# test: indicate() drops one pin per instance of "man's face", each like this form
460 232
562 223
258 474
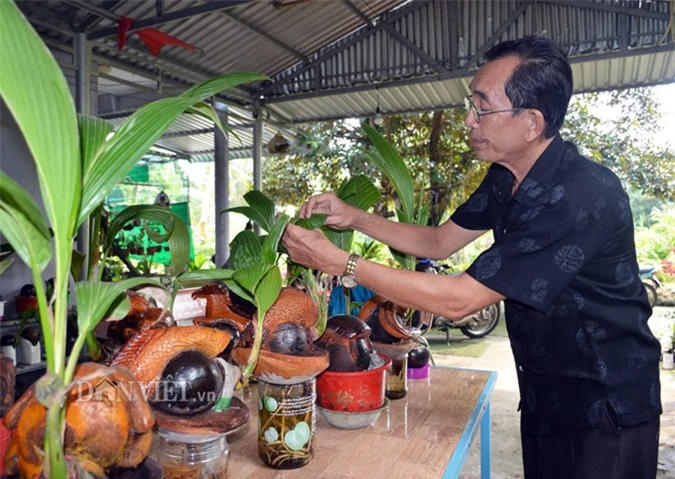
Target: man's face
497 137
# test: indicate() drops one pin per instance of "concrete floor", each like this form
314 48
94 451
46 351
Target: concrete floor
506 459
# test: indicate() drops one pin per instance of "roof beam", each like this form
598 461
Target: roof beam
168 17
94 19
497 34
265 35
605 7
331 51
398 36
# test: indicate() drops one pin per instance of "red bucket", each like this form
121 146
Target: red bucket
355 392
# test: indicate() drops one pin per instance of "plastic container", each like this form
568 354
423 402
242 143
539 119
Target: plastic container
352 420
28 352
354 391
286 423
191 456
419 373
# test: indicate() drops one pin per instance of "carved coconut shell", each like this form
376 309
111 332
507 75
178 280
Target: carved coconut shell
347 339
219 306
209 422
383 318
280 368
147 353
292 306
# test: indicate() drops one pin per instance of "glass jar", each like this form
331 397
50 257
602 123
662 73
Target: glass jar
286 423
397 377
192 456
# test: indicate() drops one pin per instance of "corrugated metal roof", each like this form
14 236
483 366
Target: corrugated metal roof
332 59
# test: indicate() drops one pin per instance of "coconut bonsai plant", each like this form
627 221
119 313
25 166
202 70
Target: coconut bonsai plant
78 164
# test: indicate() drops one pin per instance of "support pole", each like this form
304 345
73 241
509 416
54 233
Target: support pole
222 189
83 105
258 130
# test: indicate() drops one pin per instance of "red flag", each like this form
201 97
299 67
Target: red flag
122 28
153 38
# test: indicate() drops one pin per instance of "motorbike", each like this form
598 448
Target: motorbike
476 325
652 284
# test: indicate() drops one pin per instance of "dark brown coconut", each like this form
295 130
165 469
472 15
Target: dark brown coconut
347 340
384 319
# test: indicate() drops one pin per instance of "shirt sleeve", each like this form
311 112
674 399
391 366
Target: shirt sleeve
539 254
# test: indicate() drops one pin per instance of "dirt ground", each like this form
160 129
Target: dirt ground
506 460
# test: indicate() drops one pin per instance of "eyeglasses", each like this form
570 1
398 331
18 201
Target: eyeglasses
470 106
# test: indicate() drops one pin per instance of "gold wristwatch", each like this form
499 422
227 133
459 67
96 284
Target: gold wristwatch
348 278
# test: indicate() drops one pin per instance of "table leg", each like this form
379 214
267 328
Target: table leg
485 444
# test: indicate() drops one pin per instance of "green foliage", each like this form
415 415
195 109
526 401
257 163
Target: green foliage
325 156
411 211
616 130
656 244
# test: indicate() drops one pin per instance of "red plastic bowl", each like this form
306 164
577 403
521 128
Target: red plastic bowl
355 392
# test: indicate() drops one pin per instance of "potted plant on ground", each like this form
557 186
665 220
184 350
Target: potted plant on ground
78 164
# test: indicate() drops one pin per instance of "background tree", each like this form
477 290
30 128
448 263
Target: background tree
615 129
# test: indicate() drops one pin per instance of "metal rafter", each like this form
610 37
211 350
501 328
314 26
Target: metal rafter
605 7
170 17
94 19
498 33
398 36
235 18
332 51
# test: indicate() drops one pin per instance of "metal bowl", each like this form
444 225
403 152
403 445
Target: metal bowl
352 420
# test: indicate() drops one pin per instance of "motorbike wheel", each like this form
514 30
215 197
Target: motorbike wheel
484 322
652 295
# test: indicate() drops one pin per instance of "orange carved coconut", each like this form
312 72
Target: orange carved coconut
292 306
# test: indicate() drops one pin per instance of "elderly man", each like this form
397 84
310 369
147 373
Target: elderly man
563 260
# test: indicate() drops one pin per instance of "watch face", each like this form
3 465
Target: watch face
348 281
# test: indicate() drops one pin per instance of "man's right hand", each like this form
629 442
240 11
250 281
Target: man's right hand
339 214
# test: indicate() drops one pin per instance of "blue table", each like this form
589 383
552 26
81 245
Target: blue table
426 434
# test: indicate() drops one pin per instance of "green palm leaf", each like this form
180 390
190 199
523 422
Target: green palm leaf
199 277
33 248
93 133
22 223
215 85
15 197
250 276
138 133
95 298
360 192
260 209
245 250
177 234
393 166
268 290
36 92
271 242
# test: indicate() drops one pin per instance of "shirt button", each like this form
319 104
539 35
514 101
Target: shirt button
520 368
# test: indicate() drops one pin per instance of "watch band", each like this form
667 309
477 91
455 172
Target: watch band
348 278
350 270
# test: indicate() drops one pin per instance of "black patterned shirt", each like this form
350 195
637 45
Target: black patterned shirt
576 310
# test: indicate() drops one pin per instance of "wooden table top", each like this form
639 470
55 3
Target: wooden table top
416 436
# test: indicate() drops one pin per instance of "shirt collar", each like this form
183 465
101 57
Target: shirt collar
538 179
